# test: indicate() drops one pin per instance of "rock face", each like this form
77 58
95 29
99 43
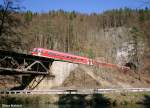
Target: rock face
61 70
128 51
124 45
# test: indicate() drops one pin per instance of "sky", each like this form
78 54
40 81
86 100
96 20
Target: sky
82 6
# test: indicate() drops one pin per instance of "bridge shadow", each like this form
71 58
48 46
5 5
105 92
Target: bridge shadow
26 80
83 101
146 101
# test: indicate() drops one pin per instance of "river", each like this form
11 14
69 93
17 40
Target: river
77 106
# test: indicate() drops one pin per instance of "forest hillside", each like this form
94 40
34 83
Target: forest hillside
119 36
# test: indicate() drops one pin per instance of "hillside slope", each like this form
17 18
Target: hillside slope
89 77
119 36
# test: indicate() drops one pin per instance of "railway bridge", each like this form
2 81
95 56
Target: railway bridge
29 66
18 63
34 67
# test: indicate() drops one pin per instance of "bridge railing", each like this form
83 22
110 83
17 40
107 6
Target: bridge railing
76 91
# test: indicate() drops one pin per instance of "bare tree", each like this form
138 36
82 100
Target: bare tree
6 18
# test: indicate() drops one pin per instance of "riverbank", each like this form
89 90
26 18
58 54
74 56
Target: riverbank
111 99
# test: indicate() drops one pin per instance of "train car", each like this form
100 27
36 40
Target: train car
60 56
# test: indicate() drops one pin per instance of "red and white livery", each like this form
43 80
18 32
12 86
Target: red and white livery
60 56
72 58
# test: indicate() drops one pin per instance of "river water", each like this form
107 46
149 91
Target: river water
78 106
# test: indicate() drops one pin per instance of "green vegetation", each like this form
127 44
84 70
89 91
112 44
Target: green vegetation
28 16
114 99
28 99
129 98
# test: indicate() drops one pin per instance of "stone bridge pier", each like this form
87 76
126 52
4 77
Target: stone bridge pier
60 71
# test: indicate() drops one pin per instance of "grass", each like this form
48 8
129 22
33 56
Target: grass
28 99
127 98
114 99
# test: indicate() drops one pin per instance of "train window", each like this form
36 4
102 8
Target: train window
40 51
78 59
72 58
45 52
67 57
81 59
35 50
50 53
56 54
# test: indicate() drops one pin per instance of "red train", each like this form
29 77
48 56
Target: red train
72 58
61 56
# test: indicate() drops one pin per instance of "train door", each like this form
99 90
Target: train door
90 61
39 52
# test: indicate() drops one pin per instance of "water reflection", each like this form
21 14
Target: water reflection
41 106
75 101
84 100
78 106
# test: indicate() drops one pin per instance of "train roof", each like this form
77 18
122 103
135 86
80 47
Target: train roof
62 53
